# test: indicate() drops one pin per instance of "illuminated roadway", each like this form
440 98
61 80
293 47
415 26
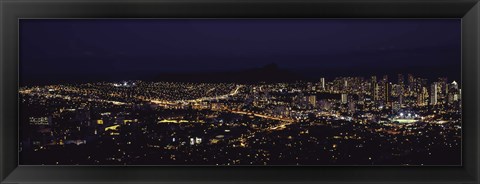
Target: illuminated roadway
233 93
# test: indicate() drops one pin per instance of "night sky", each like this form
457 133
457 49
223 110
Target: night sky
131 48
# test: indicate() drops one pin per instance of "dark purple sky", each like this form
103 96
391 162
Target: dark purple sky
151 46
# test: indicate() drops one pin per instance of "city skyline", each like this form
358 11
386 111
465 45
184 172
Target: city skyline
143 119
240 92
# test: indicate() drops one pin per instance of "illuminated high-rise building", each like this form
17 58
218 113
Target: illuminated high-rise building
442 93
345 84
453 92
387 93
322 84
442 84
344 98
422 96
451 98
312 99
374 87
446 88
384 90
434 94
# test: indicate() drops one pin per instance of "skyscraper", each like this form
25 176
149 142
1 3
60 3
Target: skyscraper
312 99
442 91
401 89
384 91
374 88
434 94
453 92
344 98
400 99
422 96
345 84
322 84
387 93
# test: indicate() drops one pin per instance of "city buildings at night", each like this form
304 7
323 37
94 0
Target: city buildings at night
240 92
342 121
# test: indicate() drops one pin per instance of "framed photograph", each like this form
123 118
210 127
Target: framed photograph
239 91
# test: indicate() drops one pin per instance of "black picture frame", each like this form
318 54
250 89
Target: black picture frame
12 10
